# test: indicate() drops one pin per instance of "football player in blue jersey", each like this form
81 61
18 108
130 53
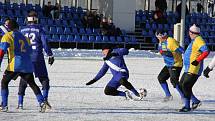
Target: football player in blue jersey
36 34
114 61
20 63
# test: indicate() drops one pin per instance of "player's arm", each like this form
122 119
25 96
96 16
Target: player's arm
209 68
122 51
47 48
99 75
204 53
3 47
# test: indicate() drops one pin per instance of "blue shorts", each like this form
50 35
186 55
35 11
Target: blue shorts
114 82
40 69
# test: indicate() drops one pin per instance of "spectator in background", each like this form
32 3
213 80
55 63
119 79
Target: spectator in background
161 5
200 7
57 8
47 10
158 17
210 8
178 11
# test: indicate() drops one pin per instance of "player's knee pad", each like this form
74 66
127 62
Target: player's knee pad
110 91
45 83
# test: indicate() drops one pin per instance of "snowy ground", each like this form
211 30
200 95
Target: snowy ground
73 101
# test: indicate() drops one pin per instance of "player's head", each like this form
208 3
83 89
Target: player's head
194 31
161 35
13 25
6 21
32 17
107 48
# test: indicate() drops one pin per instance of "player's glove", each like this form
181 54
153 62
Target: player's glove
91 82
51 60
206 72
195 63
110 55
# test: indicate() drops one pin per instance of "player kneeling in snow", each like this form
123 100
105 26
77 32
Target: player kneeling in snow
114 60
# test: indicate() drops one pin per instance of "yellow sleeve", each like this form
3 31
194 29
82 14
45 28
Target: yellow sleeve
199 42
6 38
172 44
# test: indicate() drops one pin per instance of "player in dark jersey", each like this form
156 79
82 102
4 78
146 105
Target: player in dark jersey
36 34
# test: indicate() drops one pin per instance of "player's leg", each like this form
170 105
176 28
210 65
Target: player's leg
187 81
111 88
174 78
8 75
30 80
21 93
41 72
162 77
123 81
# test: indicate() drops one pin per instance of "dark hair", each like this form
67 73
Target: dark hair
107 46
12 24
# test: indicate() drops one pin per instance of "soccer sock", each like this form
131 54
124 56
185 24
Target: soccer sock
179 90
166 89
4 94
194 99
135 92
187 103
40 98
120 93
45 94
20 101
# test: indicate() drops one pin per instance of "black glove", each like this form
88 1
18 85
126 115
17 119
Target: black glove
51 60
110 55
167 53
91 82
206 72
195 63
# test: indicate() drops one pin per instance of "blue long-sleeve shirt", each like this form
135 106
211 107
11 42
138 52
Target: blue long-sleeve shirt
117 61
38 41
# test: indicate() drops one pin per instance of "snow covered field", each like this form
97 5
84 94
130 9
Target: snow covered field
73 101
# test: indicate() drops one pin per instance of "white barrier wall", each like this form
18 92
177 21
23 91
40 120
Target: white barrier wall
124 14
121 11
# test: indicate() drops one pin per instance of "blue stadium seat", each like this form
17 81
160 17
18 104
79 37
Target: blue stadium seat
98 38
76 17
67 30
127 39
133 40
63 38
72 23
24 13
119 39
38 7
79 10
170 33
144 33
43 22
82 31
18 13
96 31
154 40
92 38
66 9
50 22
70 38
48 37
29 7
55 38
57 22
10 13
166 27
65 23
60 30
73 9
88 31
22 6
53 30
77 38
74 30
150 33
20 21
154 26
148 26
160 26
15 6
105 38
85 38
112 39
